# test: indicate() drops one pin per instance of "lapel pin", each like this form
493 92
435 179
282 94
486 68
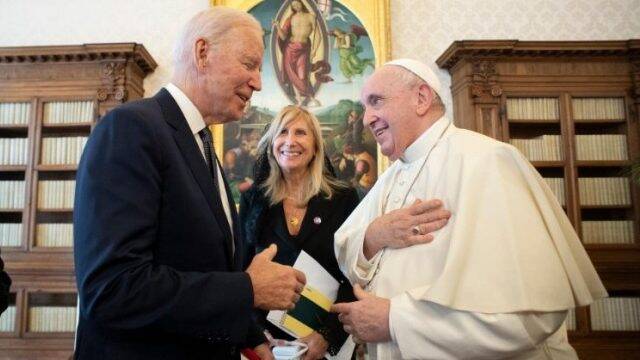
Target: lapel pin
317 220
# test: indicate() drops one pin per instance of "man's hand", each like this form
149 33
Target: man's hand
317 346
405 227
264 352
366 319
275 286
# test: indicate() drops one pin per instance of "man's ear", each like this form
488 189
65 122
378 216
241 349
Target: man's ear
425 98
201 49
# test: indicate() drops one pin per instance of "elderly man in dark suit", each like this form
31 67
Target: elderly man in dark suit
157 239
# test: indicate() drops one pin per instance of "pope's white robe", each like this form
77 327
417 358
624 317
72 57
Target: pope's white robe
497 280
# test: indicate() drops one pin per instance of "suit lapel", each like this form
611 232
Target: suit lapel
236 256
194 159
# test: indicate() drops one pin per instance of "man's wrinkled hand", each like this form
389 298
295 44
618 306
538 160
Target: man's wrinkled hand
405 227
275 286
366 319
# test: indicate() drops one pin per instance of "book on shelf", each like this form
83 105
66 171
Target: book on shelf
12 194
598 109
10 234
54 235
616 314
533 109
14 151
52 318
15 113
62 150
601 147
540 148
8 319
607 232
604 191
68 112
557 187
56 194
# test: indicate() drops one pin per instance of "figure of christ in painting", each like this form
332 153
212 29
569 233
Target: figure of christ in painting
294 39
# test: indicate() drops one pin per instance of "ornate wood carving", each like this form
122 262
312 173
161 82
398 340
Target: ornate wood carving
40 72
79 53
635 77
485 80
113 82
533 49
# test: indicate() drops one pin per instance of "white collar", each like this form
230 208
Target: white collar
421 146
189 110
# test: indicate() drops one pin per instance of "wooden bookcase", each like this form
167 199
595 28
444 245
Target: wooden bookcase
572 108
50 99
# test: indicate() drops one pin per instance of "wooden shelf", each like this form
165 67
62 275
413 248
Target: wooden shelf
605 207
64 167
11 210
73 128
603 163
548 164
13 168
55 210
534 122
599 121
14 126
52 249
67 125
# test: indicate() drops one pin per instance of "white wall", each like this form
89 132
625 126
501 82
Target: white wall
155 23
440 22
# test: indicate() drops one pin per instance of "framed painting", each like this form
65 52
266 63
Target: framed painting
318 53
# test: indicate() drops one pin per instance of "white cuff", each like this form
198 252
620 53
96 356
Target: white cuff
366 269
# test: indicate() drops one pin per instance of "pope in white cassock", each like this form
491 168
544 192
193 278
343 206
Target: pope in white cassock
497 281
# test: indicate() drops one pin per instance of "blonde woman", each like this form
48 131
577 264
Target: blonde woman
297 203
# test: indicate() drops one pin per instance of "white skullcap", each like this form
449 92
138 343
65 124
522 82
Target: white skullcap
421 70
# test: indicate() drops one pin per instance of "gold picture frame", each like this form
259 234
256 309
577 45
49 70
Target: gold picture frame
371 16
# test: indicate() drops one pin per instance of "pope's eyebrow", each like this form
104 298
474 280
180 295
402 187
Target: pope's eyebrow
372 98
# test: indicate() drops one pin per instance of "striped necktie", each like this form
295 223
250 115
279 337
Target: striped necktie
209 155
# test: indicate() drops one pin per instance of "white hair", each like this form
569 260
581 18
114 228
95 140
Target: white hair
212 25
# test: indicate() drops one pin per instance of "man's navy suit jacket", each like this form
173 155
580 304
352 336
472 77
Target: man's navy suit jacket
156 271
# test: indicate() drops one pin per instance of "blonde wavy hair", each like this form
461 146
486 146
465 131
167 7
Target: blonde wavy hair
319 180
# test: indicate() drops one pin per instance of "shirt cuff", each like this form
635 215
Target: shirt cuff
366 269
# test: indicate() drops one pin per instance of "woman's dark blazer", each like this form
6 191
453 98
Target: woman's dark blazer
322 219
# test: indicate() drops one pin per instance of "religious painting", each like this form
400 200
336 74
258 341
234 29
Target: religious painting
318 53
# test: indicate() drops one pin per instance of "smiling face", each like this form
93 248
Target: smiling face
390 111
294 146
230 75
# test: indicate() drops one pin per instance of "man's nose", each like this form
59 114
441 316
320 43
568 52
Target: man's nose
368 118
256 81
